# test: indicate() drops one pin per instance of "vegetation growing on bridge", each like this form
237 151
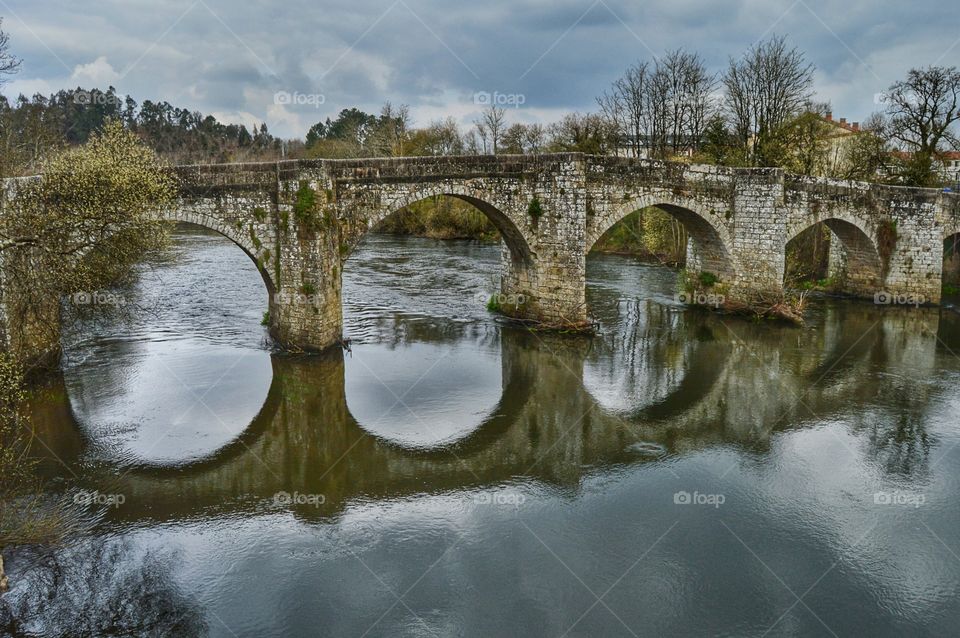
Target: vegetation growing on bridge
535 209
305 206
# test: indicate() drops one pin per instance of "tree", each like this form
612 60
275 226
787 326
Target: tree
765 88
719 145
490 127
9 63
523 138
663 109
352 125
688 87
358 134
535 138
625 107
78 228
923 109
513 139
440 137
316 133
802 144
583 133
867 156
389 132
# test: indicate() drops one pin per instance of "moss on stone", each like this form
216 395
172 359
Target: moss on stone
305 206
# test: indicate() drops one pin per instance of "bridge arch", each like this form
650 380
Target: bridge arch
710 239
512 228
858 264
181 214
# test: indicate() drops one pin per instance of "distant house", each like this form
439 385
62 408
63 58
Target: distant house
947 166
950 167
627 144
839 138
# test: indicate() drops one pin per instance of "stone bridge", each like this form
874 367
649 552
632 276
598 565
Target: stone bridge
299 220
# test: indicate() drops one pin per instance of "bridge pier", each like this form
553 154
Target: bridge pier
551 292
759 234
306 312
914 268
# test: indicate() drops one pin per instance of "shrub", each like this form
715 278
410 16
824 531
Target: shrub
708 279
535 209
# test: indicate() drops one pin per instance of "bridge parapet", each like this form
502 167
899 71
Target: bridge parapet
423 169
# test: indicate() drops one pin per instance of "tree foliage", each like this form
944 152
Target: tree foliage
922 111
32 129
764 89
355 133
803 144
79 228
662 109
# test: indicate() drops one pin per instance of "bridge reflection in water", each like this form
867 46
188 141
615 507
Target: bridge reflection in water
662 383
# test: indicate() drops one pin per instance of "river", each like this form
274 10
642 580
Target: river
682 473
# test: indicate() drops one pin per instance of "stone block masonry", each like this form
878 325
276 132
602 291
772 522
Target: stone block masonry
300 220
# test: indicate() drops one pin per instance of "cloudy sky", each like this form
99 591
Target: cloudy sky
295 62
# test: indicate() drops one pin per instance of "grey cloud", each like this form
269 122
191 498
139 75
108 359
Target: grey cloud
261 47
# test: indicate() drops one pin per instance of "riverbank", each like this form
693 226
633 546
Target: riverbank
650 235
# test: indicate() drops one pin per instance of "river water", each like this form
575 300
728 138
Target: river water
682 473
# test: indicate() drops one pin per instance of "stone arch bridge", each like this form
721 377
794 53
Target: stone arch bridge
301 219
